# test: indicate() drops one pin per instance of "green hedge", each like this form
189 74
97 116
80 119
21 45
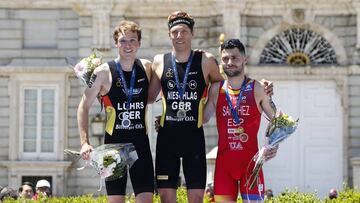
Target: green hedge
347 196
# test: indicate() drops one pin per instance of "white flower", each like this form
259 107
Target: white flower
96 61
112 166
112 153
117 158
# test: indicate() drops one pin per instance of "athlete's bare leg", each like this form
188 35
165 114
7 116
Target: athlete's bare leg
144 197
195 195
167 195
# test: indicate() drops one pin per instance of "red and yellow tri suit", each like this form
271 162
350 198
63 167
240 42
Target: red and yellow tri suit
237 145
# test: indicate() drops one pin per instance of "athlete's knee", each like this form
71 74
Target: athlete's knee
116 199
196 199
195 195
144 197
167 195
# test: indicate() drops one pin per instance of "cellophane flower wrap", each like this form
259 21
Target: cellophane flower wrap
279 128
110 161
85 68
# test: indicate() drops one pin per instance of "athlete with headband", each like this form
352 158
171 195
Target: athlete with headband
183 76
238 102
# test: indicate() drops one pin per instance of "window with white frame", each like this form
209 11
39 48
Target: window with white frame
39 122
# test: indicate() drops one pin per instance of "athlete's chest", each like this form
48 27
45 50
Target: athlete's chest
191 81
245 106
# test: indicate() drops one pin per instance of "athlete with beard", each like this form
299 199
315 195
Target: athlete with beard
183 76
238 102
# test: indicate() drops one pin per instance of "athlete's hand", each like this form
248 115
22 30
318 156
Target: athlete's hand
157 123
268 87
85 151
270 153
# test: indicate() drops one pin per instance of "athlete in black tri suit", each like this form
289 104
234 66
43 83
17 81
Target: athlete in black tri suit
123 84
129 127
181 134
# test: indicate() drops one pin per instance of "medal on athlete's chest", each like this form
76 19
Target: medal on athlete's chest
181 112
126 122
235 110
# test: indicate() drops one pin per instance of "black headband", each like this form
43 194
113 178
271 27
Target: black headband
181 20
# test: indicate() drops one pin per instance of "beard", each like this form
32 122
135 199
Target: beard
232 73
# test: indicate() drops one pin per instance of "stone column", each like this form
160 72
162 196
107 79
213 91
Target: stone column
100 10
355 163
101 29
356 5
232 18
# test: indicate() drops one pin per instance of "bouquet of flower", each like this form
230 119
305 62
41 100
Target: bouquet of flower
85 68
110 161
280 127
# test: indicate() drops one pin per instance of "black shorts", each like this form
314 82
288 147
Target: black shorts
174 144
141 173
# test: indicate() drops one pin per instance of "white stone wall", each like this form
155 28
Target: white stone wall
85 181
4 126
344 27
4 118
255 26
13 50
354 123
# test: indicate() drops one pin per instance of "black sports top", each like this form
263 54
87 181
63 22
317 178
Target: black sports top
118 128
194 95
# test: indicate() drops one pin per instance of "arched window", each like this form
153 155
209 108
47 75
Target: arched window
298 46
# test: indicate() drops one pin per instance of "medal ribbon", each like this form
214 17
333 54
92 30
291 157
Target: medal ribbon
234 112
128 92
181 90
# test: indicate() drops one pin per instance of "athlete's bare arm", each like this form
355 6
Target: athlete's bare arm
147 65
100 85
210 106
155 84
210 68
263 100
265 104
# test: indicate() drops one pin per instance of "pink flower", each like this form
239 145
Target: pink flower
81 68
85 68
